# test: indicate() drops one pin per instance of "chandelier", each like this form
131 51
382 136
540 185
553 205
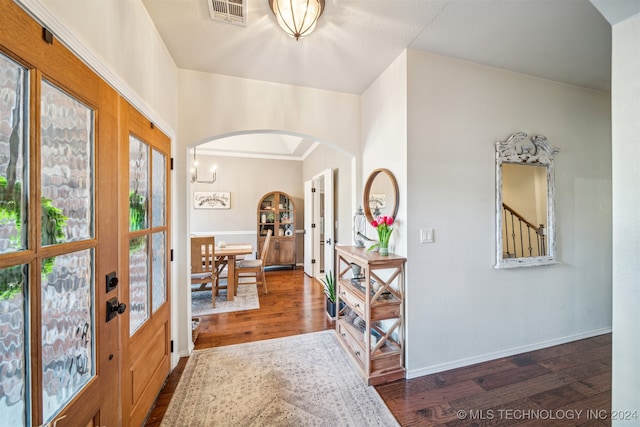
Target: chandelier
194 171
297 17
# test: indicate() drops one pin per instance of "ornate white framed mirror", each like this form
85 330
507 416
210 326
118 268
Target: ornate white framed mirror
525 210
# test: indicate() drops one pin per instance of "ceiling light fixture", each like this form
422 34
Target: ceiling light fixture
297 17
194 171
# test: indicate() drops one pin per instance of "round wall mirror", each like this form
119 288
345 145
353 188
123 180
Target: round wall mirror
381 195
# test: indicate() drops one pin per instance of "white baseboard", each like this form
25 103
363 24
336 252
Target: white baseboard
414 373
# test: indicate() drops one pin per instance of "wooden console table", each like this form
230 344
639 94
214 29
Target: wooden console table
370 327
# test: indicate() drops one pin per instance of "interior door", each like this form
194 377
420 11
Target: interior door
319 207
328 222
144 190
308 230
58 233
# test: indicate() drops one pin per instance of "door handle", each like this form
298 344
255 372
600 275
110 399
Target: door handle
328 241
114 307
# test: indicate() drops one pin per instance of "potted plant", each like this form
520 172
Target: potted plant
330 292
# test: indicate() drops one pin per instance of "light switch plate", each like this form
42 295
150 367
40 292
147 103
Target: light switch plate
426 235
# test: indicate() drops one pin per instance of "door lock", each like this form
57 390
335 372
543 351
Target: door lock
112 281
114 308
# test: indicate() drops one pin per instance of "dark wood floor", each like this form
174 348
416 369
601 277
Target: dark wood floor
566 385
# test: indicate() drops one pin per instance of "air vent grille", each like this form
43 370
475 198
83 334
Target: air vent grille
230 11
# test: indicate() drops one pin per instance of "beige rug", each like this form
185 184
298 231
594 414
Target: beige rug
245 299
304 380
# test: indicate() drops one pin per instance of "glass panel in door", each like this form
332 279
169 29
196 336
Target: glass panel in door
13 152
138 183
159 188
159 255
138 288
68 348
67 163
67 280
14 362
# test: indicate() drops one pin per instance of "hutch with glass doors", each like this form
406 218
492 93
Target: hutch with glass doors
370 326
277 212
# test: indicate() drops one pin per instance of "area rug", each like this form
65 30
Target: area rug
245 299
304 380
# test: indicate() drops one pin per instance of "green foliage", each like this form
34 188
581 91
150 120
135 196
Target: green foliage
11 281
53 223
329 286
9 208
137 211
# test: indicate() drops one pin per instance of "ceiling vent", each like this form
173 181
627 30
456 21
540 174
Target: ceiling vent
229 11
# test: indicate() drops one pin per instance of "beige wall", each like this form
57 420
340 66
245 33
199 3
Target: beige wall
247 179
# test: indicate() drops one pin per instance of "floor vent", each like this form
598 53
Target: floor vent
230 11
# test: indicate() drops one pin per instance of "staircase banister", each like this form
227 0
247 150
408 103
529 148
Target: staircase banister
539 229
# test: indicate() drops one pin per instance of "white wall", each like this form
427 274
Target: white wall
626 205
325 157
384 140
460 309
122 38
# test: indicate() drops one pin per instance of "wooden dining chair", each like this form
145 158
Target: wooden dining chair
254 267
203 267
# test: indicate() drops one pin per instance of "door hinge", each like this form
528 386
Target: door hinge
313 261
172 342
313 226
313 190
47 35
171 164
171 254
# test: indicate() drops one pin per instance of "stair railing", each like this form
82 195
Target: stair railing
522 238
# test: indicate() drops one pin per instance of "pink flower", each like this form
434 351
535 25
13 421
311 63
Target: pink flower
382 224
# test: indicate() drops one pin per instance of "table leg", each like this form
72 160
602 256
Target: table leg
231 279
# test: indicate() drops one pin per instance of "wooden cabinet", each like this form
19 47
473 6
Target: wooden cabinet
277 212
370 326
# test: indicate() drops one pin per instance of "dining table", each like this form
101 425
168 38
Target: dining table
230 252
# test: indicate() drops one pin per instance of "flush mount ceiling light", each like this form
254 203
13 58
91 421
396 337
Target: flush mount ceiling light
297 17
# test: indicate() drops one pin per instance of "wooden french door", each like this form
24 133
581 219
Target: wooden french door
144 189
59 357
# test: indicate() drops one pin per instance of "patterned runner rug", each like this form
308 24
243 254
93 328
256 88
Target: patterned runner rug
246 299
304 380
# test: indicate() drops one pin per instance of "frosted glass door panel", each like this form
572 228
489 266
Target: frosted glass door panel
13 151
13 281
67 138
159 188
68 348
138 183
159 293
138 282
